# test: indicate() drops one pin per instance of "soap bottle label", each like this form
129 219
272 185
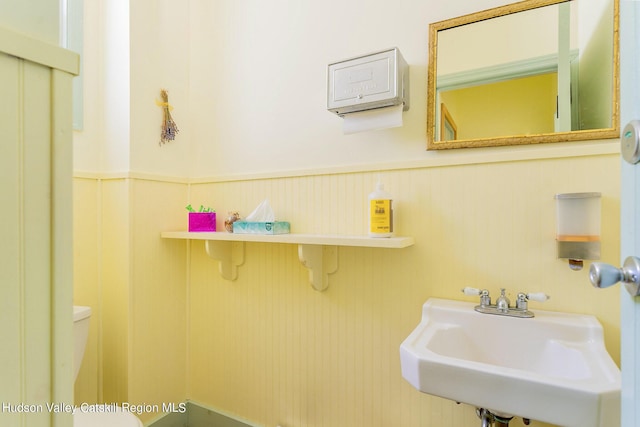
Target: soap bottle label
381 215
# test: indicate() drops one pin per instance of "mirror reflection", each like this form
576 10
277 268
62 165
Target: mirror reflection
535 71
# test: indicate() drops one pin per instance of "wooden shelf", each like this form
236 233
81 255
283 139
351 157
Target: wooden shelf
304 239
317 252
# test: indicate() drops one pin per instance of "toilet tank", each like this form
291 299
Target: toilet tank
81 315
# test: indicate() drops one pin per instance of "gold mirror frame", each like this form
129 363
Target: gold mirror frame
578 135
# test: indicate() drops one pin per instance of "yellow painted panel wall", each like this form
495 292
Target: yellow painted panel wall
87 283
114 313
158 296
270 349
101 281
135 284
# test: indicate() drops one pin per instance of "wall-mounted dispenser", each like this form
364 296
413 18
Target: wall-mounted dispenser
578 227
368 82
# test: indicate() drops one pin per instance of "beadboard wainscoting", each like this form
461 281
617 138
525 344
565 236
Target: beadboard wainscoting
269 348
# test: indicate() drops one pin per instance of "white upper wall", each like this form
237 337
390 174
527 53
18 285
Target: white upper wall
258 80
247 80
103 145
160 45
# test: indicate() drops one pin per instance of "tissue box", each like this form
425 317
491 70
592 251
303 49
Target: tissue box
202 221
257 227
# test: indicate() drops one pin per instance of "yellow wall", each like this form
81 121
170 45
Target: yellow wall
524 106
135 284
249 100
270 349
86 289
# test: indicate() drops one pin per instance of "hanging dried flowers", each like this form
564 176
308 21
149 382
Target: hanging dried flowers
169 128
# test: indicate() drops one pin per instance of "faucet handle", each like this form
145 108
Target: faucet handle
485 299
523 298
471 291
538 296
474 291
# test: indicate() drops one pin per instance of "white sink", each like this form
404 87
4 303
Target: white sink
552 368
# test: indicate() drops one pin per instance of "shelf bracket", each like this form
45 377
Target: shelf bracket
321 260
229 254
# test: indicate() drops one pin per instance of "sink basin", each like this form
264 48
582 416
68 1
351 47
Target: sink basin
552 368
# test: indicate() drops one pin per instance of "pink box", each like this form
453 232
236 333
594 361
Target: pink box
202 221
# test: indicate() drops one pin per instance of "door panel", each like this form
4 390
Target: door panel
630 212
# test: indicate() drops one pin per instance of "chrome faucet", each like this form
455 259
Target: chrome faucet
503 304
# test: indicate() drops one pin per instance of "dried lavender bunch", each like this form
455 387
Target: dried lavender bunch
169 128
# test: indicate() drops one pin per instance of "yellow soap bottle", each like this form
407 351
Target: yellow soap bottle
380 212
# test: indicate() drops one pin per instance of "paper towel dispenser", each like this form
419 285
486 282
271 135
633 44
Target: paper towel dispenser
367 82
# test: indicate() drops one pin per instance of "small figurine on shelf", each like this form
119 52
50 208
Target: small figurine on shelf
228 222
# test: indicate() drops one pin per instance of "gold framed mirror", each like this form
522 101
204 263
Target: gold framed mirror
536 71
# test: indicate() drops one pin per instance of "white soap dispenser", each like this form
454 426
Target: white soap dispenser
380 212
